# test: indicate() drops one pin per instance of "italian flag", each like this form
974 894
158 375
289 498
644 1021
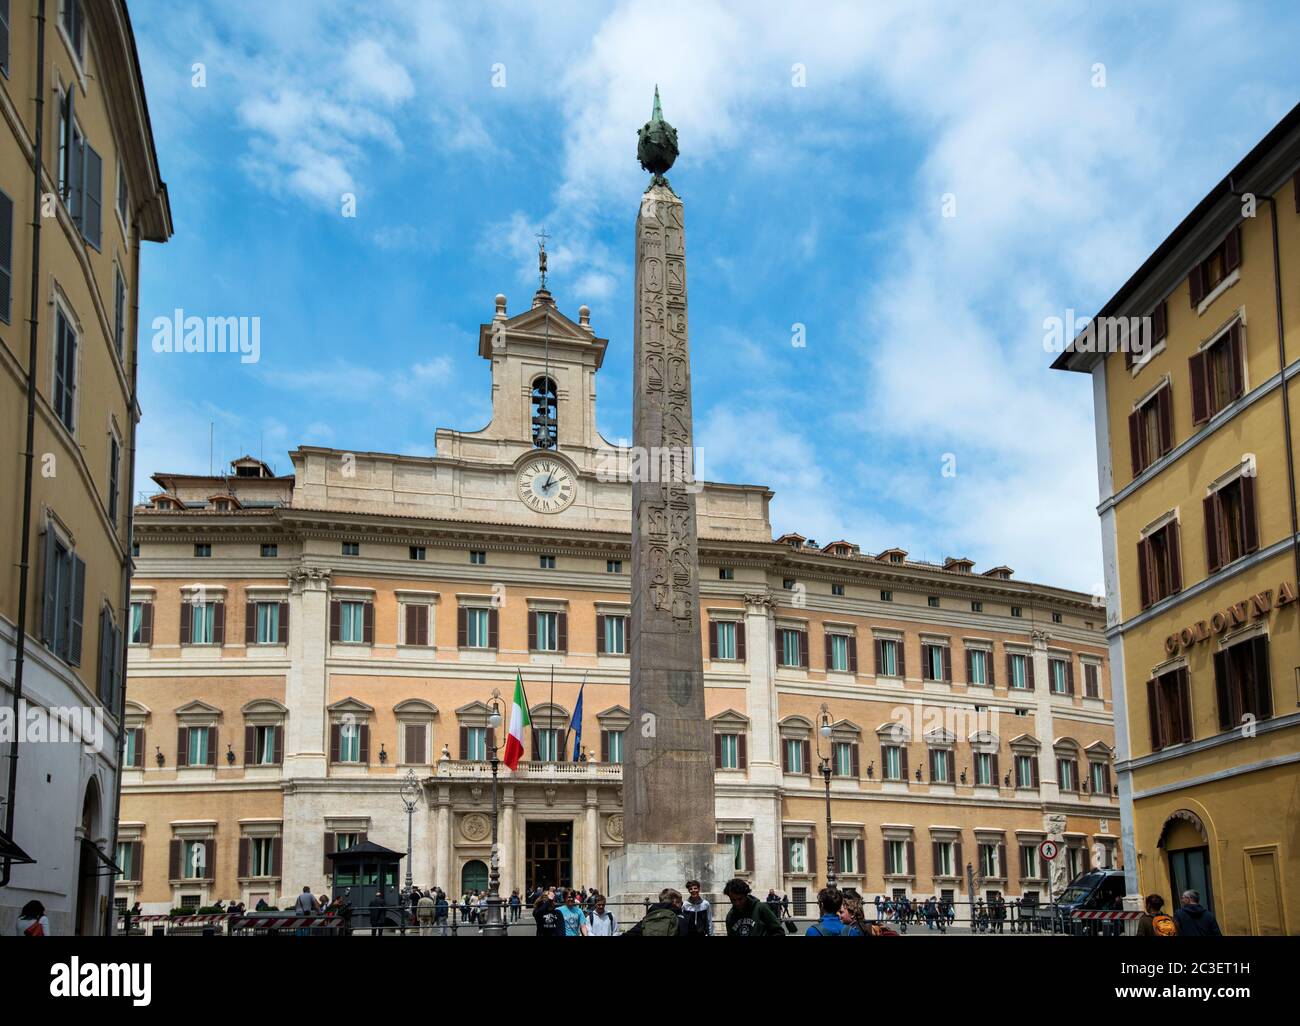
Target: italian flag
518 721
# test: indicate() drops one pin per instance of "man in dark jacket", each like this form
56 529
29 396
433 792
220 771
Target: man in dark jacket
749 917
665 918
1194 919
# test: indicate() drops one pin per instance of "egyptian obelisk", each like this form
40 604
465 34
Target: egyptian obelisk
669 827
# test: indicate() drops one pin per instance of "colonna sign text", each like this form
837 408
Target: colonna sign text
1258 606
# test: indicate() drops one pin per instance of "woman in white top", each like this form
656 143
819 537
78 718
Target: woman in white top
32 921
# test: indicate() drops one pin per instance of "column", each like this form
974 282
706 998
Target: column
1048 789
506 832
442 839
760 693
305 687
591 847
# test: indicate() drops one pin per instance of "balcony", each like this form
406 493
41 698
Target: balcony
560 772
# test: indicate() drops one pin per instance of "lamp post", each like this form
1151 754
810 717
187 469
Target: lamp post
825 733
410 795
496 924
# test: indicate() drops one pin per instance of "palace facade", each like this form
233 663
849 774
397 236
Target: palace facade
300 643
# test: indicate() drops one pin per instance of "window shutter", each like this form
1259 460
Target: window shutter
1144 571
562 630
812 854
807 756
717 751
494 620
785 855
209 859
854 765
368 624
1159 327
1263 688
464 743
365 743
749 852
970 667
562 748
218 623
600 642
6 216
911 858
853 653
885 867
174 861
278 743
1069 676
329 850
935 856
740 641
1024 866
415 743
139 748
182 746
78 607
537 745
957 868
1029 672
1011 676
1175 556
1153 714
826 637
187 612
250 745
1196 285
785 756
336 615
146 624
334 742
245 855
50 598
1185 731
282 636
1135 441
1033 765
137 860
104 673
1232 251
902 760
532 631
713 640
901 648
462 627
93 183
742 759
604 746
947 664
861 848
1211 507
1249 522
410 633
803 649
250 623
1200 395
1165 416
277 849
1236 367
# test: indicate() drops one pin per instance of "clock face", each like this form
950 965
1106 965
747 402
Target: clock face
546 486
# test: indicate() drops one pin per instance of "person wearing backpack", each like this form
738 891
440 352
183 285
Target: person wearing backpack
1154 922
749 917
1194 919
601 923
829 903
663 919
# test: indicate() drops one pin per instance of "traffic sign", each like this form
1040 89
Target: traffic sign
1048 849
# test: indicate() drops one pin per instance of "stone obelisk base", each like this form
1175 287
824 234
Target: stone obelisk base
640 871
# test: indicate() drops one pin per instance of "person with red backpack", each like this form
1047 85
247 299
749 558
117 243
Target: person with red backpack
32 921
1154 922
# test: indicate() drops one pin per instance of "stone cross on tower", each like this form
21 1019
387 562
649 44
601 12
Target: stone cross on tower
668 807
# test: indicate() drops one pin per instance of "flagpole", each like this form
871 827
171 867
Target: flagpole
569 728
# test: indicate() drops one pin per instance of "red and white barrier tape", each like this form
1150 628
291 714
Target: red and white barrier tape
262 922
1106 915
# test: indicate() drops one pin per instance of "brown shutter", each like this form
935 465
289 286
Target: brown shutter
282 638
988 666
1135 441
1185 732
1236 366
854 765
1165 416
1029 672
826 637
368 625
245 855
494 621
218 623
884 855
749 853
1196 285
1212 556
1002 860
336 615
717 751
277 851
562 631
807 756
462 627
740 641
1011 666
902 760
1175 557
279 745
785 756
1069 676
139 747
812 853
1144 571
742 759
901 646
713 640
1249 522
1222 693
334 742
803 649
861 847
934 856
410 630
329 850
146 624
250 626
1263 687
947 664
365 743
532 631
182 746
853 653
137 860
957 862
464 743
174 861
1033 765
970 668
537 747
187 612
210 859
1232 251
250 747
785 855
1024 867
1200 394
604 746
1159 326
600 642
911 858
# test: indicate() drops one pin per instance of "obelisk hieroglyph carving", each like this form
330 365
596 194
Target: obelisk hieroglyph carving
668 764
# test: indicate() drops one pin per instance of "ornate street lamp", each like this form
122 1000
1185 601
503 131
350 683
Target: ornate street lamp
825 734
410 795
496 924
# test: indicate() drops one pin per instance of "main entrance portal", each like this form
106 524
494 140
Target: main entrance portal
549 851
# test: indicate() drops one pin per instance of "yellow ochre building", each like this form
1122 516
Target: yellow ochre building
1196 464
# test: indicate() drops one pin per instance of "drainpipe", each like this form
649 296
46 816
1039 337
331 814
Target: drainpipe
128 562
24 563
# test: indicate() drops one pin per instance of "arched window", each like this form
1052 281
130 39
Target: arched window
544 411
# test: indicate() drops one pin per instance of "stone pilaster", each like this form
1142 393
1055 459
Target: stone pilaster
1049 790
306 685
506 850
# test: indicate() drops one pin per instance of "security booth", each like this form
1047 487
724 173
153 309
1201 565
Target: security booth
366 875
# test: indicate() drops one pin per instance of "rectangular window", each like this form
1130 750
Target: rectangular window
114 468
896 858
730 751
837 589
73 20
1169 709
846 855
843 759
1151 429
477 622
985 774
977 607
477 558
943 858
351 548
270 551
1058 671
1067 774
194 857
119 313
788 584
1026 771
726 573
548 631
268 623
1218 375
613 566
65 370
262 856
546 562
125 849
794 748
737 844
1159 564
989 867
1091 680
796 854
1206 276
940 766
1231 530
1056 618
131 757
352 622
1099 773
1241 683
123 198
202 551
892 762
793 648
6 241
886 596
936 662
264 746
887 658
548 744
198 749
932 601
476 743
1029 861
64 599
615 631
839 653
725 631
1019 665
417 553
203 623
978 664
141 623
415 624
614 745
1016 611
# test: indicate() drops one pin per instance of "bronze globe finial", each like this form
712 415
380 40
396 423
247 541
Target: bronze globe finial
656 146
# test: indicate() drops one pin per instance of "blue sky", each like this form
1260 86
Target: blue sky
819 143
